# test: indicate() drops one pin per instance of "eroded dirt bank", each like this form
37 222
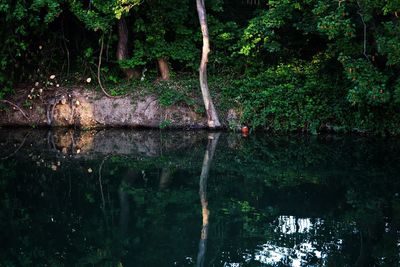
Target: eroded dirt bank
76 107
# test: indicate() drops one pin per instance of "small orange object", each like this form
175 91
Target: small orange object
245 130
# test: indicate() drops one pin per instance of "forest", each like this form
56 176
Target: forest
284 66
295 156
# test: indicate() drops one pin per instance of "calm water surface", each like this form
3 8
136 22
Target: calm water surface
149 198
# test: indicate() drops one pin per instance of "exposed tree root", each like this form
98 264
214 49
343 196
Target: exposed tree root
16 106
18 148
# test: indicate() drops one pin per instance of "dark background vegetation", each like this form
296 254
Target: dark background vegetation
287 65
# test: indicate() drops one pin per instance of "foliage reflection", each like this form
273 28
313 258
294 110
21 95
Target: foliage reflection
128 198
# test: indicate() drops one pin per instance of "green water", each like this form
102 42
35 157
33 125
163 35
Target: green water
150 198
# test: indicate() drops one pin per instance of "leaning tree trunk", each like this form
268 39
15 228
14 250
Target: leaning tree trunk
212 116
163 68
122 48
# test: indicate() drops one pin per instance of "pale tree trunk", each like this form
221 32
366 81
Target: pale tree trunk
212 116
163 68
208 156
122 48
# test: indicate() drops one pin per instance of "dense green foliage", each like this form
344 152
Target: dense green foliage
307 65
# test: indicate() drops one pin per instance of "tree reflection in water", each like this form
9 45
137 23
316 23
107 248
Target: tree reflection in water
208 157
275 201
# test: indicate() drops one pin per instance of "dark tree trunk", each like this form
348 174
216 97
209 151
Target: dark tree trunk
122 48
164 69
212 116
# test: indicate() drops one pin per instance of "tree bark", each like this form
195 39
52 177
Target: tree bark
122 49
164 69
212 116
208 156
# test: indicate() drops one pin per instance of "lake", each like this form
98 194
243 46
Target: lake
161 198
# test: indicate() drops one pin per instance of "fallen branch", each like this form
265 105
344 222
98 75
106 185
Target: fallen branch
15 106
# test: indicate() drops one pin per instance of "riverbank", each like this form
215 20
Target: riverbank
178 104
78 107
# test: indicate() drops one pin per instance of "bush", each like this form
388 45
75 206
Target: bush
289 97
